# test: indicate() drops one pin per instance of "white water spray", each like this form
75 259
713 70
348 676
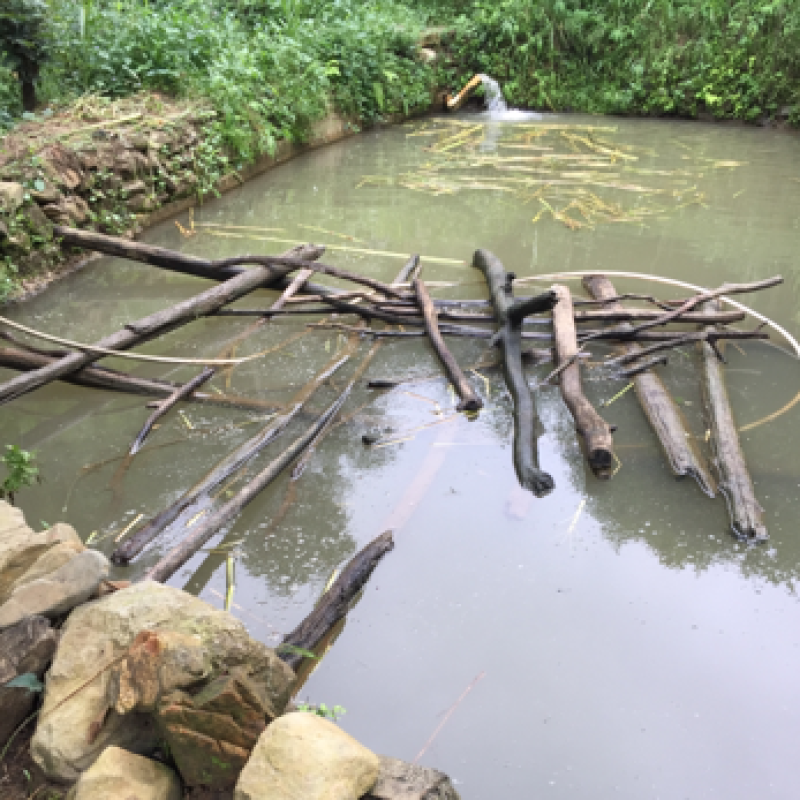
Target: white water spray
495 102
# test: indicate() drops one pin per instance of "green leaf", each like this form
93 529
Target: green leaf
379 96
296 651
38 184
27 681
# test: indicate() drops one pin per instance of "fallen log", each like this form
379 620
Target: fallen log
660 409
595 434
140 331
644 365
248 450
94 377
205 529
711 336
735 483
172 260
163 407
336 602
510 314
469 400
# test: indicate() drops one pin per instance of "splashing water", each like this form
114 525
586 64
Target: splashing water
495 102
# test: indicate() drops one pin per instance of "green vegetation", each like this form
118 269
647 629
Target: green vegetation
732 58
20 470
322 710
267 67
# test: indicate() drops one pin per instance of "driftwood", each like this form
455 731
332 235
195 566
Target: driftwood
643 365
469 400
211 524
660 409
593 429
140 331
336 602
710 335
172 260
134 545
163 407
25 360
746 514
511 313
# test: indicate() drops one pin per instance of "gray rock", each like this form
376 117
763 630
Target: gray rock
399 780
57 592
39 222
122 775
12 196
27 647
49 194
301 756
73 729
133 188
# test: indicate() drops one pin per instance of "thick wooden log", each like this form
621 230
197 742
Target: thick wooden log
172 260
211 525
336 602
164 407
245 452
660 409
735 483
112 380
508 338
200 305
469 400
594 431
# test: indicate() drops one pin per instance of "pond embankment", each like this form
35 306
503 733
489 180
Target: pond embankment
145 160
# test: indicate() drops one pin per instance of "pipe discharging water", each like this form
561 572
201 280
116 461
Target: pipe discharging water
495 102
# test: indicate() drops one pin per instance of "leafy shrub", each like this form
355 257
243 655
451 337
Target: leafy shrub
25 43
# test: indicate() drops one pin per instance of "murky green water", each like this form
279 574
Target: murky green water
628 646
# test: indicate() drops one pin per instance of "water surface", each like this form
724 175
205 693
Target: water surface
628 645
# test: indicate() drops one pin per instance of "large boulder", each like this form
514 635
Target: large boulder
77 721
26 648
399 780
12 195
302 756
210 734
58 592
125 776
21 548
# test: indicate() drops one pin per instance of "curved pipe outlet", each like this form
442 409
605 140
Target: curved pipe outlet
454 102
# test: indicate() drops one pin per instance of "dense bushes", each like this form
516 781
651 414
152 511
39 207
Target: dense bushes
266 66
734 58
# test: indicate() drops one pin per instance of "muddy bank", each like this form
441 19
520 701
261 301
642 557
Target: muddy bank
118 172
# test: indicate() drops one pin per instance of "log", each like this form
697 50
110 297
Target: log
137 332
469 400
171 260
207 527
336 602
115 381
644 365
510 314
405 272
292 289
735 483
163 407
660 409
245 452
594 431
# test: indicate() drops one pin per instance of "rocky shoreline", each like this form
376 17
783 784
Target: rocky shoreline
145 691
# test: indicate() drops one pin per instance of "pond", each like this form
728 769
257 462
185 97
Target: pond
610 639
